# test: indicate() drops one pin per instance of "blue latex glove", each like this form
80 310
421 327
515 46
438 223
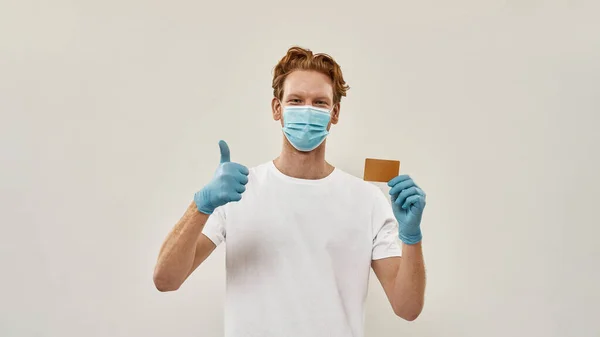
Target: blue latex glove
227 185
408 203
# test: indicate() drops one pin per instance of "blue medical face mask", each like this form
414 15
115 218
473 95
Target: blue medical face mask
305 127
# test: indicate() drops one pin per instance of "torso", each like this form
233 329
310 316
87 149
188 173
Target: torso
298 255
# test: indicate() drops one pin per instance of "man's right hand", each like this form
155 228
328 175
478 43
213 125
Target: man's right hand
227 185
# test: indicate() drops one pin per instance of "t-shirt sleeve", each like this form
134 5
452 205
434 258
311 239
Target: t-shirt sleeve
385 229
214 228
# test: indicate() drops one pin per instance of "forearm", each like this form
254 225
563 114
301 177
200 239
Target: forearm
177 253
409 287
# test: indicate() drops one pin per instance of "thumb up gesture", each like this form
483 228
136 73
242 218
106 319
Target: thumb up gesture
227 185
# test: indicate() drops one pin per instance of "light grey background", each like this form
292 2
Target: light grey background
111 113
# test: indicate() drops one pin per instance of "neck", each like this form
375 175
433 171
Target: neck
303 165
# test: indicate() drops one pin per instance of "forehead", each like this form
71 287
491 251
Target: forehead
308 83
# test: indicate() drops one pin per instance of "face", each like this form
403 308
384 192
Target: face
305 87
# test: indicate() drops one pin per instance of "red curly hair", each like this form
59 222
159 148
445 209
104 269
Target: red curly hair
298 58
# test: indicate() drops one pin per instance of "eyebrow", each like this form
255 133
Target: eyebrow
322 98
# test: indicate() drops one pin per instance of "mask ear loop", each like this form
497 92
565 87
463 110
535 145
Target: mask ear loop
331 111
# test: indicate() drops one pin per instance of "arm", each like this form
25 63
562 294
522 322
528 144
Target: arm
186 247
182 251
403 280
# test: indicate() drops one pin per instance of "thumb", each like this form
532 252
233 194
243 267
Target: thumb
225 157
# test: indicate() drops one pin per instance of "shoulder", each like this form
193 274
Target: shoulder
258 174
358 185
260 170
370 197
261 167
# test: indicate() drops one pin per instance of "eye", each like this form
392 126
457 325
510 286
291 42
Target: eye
295 101
321 103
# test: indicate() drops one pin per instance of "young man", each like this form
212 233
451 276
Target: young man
301 234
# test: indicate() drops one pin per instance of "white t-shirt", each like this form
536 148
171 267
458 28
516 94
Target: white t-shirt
298 253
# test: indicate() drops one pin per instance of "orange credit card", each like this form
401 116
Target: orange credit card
381 170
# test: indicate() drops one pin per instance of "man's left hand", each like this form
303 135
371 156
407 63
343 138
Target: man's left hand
408 203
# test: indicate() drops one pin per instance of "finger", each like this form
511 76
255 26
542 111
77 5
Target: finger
225 156
399 187
409 192
239 168
235 197
398 179
412 200
240 188
243 170
242 179
405 194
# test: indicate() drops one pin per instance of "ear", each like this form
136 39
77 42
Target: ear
276 109
335 114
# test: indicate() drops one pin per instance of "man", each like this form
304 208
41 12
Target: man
301 234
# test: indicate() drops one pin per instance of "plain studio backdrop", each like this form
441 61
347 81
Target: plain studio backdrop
112 110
